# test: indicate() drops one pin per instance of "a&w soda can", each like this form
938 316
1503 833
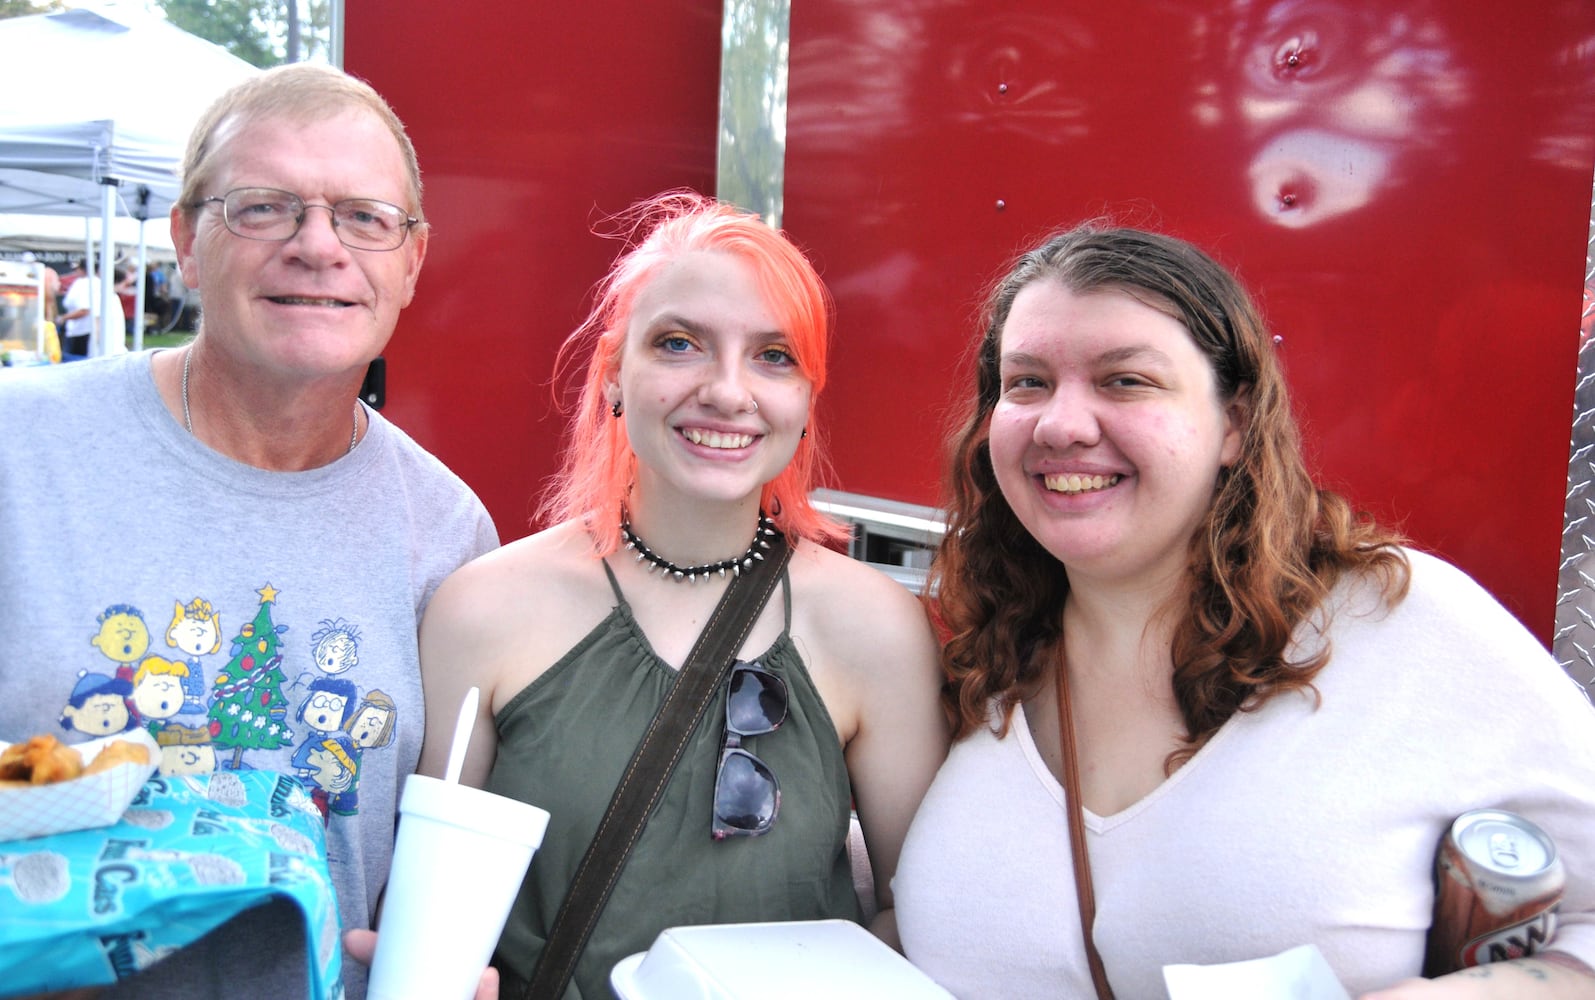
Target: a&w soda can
1498 882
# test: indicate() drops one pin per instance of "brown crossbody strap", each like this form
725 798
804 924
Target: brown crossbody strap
649 771
1077 848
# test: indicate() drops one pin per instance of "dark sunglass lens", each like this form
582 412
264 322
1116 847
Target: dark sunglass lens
745 795
756 703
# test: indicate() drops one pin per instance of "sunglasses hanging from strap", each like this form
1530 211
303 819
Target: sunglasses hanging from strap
747 796
651 765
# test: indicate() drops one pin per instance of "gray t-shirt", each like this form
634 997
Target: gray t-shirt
285 604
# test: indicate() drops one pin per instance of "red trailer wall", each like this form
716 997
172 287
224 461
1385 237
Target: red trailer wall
1404 183
533 122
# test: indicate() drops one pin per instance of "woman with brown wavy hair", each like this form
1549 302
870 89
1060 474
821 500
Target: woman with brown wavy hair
1272 706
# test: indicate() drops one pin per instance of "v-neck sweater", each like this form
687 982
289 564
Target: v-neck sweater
1306 821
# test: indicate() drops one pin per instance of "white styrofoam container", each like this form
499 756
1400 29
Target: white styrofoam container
796 959
83 803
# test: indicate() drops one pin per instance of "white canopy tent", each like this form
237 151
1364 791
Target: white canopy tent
66 234
108 142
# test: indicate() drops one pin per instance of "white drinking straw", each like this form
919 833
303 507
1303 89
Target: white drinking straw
462 735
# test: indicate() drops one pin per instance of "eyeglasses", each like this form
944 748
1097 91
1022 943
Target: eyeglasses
272 215
746 794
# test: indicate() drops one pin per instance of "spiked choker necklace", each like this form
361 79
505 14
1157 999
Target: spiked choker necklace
692 574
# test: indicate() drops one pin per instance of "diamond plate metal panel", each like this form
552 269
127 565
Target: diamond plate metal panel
1574 642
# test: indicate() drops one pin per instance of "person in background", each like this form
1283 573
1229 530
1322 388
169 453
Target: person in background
73 273
157 302
1277 709
240 481
693 434
127 297
52 289
79 291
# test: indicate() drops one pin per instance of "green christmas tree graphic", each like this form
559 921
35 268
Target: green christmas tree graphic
248 710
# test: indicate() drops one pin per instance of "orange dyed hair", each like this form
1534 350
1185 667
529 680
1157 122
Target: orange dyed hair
599 466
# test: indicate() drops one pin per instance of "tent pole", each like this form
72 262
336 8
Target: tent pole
141 280
38 268
138 289
90 268
110 305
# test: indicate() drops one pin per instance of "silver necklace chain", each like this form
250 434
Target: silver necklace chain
188 420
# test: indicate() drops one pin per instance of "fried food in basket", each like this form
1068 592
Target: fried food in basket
118 752
42 760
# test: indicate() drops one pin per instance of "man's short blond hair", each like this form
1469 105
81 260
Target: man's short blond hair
302 93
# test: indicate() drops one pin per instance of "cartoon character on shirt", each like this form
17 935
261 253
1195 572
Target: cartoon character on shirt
336 646
186 749
98 705
196 630
328 760
123 638
158 691
328 765
372 724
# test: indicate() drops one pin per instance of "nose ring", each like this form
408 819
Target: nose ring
755 403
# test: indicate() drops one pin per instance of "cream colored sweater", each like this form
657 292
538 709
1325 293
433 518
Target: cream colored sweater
1295 824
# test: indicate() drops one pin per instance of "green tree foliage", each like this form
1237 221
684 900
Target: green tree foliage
752 155
239 26
22 8
260 32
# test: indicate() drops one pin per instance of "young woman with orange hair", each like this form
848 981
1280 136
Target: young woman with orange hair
693 433
1276 709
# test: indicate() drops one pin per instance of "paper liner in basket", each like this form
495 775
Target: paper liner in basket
82 803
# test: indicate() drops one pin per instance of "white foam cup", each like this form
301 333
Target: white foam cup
458 863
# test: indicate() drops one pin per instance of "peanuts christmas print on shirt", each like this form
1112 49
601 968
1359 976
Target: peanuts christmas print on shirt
226 704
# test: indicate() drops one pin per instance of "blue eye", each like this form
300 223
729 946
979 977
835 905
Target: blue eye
376 217
777 356
263 209
675 343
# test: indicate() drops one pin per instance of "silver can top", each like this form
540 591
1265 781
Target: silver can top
1504 843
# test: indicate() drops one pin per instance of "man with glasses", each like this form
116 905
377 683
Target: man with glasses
241 473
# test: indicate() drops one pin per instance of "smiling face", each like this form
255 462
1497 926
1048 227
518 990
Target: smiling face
701 350
1109 434
307 306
